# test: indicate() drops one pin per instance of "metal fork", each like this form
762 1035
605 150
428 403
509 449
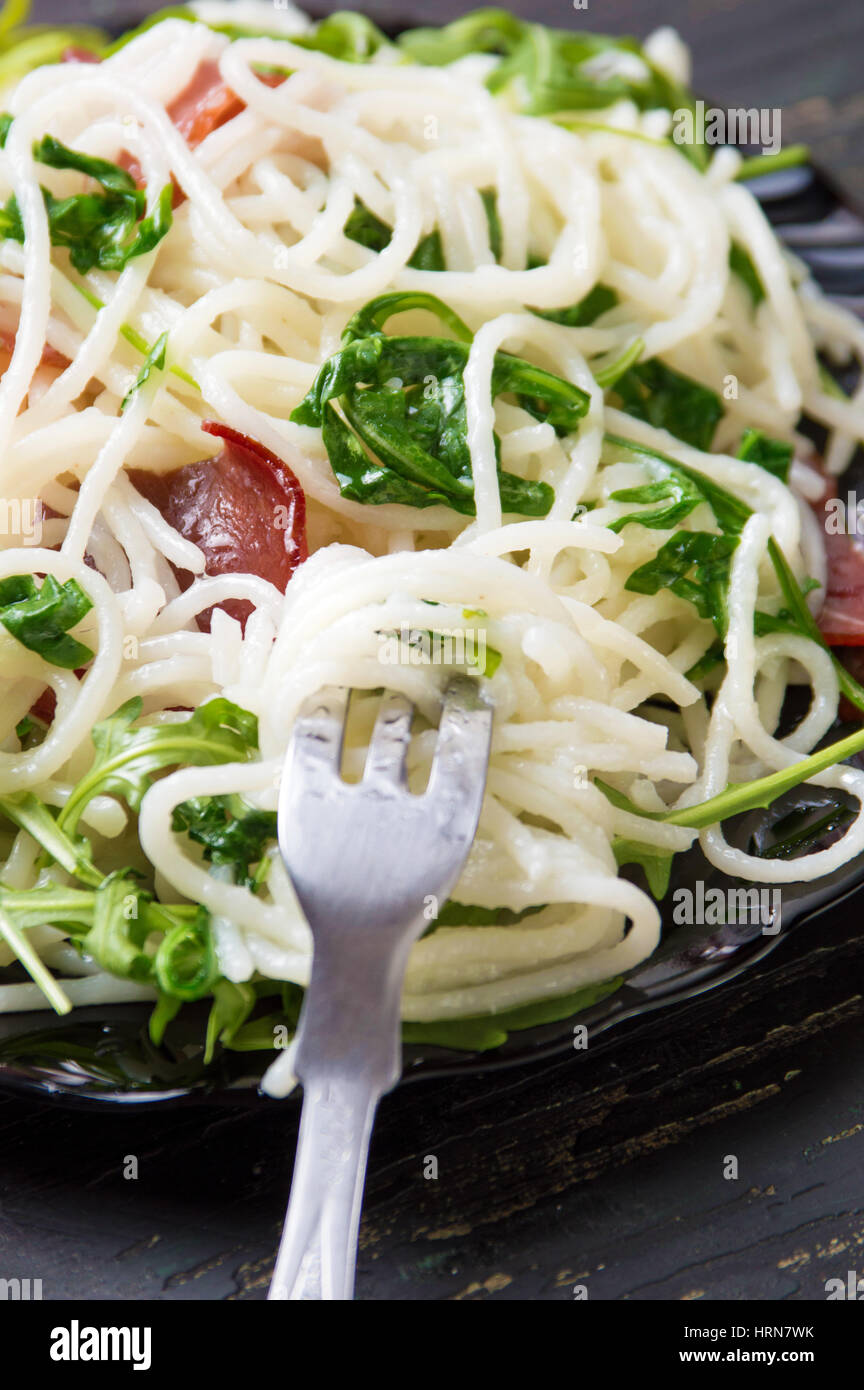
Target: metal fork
365 860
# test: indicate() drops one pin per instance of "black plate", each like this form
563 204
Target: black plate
104 1056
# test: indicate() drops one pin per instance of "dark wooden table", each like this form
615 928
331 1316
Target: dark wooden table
605 1172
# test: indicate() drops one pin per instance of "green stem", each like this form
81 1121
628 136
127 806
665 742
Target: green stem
789 158
789 585
89 784
137 340
32 815
748 796
744 796
36 969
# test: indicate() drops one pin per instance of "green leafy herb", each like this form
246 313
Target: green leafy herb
40 617
117 924
493 221
259 1034
738 797
368 230
169 12
656 863
483 1034
668 400
24 47
36 968
677 493
105 229
695 566
731 515
70 851
232 832
712 658
596 302
741 264
352 38
127 756
232 1005
552 72
153 362
608 373
403 398
773 455
429 254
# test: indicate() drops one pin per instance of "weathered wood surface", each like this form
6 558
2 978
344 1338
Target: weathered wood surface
603 1171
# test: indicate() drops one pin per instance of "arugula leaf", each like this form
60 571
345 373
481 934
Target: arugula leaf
258 1034
429 254
70 851
26 46
50 151
154 361
609 373
481 31
29 731
493 221
738 797
361 479
741 264
104 229
483 1034
732 515
368 230
677 491
668 400
40 618
713 657
232 832
118 923
403 398
596 302
232 1005
168 12
549 72
127 757
352 38
771 454
185 963
694 565
655 863
22 949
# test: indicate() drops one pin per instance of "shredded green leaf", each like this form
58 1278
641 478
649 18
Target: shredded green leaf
400 434
105 229
668 400
40 617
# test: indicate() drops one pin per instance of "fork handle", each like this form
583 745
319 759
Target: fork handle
347 1054
318 1250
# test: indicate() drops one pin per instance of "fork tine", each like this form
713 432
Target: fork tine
461 756
388 747
319 731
